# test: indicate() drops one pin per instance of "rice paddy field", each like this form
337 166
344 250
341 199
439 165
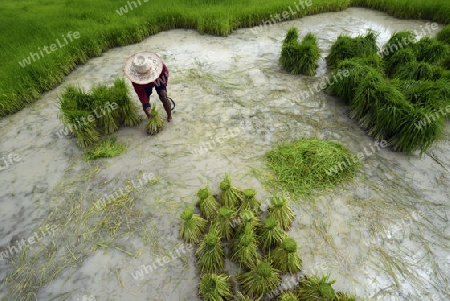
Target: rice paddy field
109 229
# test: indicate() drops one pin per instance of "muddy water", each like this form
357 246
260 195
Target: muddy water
383 237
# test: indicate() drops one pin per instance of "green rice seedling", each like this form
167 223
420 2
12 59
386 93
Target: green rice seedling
285 257
260 280
155 123
230 195
281 212
107 122
444 35
271 234
241 297
107 148
372 60
431 50
291 36
434 95
287 296
340 296
215 287
244 250
399 58
418 71
399 40
84 131
306 165
208 205
192 227
314 288
346 47
249 202
300 58
248 219
446 64
210 253
127 110
224 222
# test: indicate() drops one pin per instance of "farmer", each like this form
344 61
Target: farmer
146 70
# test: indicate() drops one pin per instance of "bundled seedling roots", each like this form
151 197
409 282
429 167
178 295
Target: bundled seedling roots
230 196
285 257
127 109
155 123
244 249
316 289
287 296
215 287
250 202
208 205
224 222
281 212
193 226
271 235
259 281
248 220
210 254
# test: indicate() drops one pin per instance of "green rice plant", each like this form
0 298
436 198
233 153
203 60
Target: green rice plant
418 71
314 288
372 60
84 131
192 227
271 234
224 222
127 110
346 47
244 250
208 205
210 253
107 122
155 123
241 297
230 195
431 50
248 219
306 165
446 63
285 257
260 280
281 212
287 296
106 148
398 41
250 202
444 35
399 58
291 36
215 287
434 95
340 296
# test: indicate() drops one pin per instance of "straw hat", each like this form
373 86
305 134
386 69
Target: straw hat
143 67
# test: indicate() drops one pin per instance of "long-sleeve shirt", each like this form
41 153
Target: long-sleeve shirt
141 90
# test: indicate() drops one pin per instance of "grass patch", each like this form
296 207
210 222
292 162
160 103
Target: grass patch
106 148
303 166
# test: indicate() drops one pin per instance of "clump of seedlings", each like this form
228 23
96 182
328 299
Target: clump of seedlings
287 296
431 50
127 110
230 195
210 253
105 149
444 35
285 257
224 222
281 212
192 227
244 250
418 71
208 205
249 201
108 122
399 58
271 234
260 280
314 288
155 123
248 219
215 287
398 41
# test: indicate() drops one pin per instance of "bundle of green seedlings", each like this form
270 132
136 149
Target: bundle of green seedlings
244 249
210 253
285 257
444 35
299 58
127 111
215 287
287 296
313 288
346 47
418 71
192 227
208 205
106 148
224 221
271 234
230 196
281 212
250 202
431 51
155 123
398 41
248 219
260 280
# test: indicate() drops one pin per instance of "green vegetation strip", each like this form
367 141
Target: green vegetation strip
40 47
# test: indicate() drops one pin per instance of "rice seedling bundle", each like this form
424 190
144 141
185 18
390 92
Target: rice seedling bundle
210 253
285 257
431 50
446 64
208 205
230 195
281 212
224 222
107 123
215 287
192 227
444 35
260 280
372 60
107 148
428 94
155 123
314 288
244 250
308 164
340 296
291 36
248 219
241 297
85 132
346 47
418 71
399 58
127 110
249 201
287 296
398 41
271 234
